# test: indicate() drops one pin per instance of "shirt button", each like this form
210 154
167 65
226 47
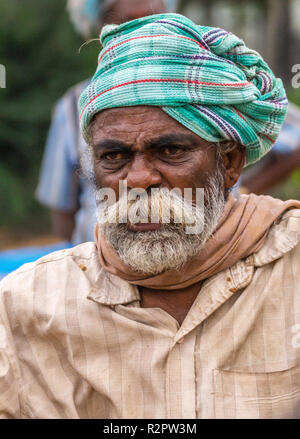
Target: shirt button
82 267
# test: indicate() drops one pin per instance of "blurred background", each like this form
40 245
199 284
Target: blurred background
39 48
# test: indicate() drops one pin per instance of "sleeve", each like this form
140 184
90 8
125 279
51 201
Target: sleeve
9 372
59 184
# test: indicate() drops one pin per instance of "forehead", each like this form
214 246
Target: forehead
132 124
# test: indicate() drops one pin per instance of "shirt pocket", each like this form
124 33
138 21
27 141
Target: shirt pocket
273 395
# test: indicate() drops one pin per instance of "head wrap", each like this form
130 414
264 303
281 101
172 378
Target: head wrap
204 77
86 14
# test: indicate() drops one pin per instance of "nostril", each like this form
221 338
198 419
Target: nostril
152 186
143 175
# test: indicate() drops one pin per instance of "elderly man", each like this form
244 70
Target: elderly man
157 319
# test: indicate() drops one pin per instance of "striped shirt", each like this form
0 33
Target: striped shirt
75 342
61 187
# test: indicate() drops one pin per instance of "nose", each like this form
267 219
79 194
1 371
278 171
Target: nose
142 174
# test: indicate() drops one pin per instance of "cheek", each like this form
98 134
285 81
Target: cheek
104 178
107 179
193 173
204 166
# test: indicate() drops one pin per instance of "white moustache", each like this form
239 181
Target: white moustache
162 206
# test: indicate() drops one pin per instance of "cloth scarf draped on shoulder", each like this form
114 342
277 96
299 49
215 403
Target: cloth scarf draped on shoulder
205 78
242 231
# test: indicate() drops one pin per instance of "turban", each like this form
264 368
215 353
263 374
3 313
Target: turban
204 77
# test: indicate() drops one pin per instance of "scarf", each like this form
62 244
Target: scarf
241 231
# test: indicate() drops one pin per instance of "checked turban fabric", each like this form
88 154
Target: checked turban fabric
204 77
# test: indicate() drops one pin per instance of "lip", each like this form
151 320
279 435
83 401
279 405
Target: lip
143 227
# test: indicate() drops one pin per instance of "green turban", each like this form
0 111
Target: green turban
204 77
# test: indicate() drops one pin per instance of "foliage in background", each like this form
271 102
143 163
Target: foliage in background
39 49
291 188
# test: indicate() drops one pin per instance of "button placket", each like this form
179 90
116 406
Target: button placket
181 379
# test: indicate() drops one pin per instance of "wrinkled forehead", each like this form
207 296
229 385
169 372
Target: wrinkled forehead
137 122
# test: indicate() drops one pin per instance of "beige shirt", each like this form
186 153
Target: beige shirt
75 343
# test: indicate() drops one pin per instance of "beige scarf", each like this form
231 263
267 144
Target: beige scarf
241 231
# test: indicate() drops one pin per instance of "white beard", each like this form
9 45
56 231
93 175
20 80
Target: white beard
170 247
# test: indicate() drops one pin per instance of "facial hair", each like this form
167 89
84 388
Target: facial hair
169 247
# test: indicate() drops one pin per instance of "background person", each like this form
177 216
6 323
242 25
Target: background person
281 161
70 197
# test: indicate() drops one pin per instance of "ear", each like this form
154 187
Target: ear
233 165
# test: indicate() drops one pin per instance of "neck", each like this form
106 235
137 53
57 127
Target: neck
177 303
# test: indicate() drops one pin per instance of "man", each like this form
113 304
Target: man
61 187
158 319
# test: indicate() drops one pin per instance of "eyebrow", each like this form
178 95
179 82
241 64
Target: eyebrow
112 145
183 139
187 140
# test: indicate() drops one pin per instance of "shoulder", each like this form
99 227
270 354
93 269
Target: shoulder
68 101
74 91
52 274
290 220
287 228
282 241
290 223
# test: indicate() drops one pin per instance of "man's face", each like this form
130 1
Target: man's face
126 10
149 149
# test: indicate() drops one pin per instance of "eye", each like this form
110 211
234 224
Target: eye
113 160
110 156
171 152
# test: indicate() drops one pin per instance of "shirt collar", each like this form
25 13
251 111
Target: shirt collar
111 290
